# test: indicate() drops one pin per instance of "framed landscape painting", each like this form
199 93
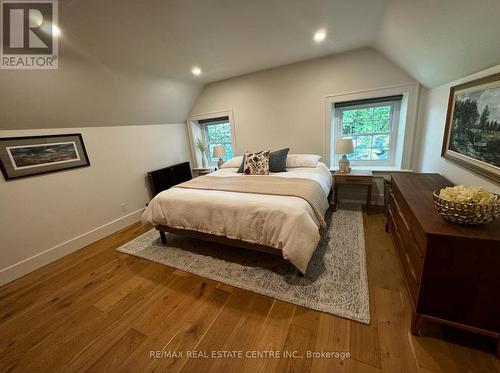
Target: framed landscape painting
472 131
35 155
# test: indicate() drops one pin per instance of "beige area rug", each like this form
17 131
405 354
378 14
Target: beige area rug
335 282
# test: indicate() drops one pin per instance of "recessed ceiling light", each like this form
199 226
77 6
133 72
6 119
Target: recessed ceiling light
320 35
196 71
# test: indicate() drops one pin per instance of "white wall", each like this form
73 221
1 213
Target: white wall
124 116
45 217
432 122
284 107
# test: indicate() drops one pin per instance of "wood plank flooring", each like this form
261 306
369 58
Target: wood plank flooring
98 310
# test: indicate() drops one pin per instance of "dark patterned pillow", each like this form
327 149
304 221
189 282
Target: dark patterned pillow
277 161
257 163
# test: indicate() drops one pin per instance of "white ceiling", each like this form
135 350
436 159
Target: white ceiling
224 37
435 41
438 41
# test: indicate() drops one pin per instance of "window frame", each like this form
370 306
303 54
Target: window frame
408 131
195 130
393 130
205 132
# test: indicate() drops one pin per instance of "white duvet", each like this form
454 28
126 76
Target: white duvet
282 222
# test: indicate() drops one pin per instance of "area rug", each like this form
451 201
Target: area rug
335 282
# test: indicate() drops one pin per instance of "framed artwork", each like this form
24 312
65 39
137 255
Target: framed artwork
35 155
472 131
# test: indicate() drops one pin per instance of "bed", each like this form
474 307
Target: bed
284 218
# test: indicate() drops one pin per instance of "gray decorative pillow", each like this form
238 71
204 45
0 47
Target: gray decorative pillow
277 161
257 163
240 170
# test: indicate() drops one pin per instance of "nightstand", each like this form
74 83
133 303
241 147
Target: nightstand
353 178
203 171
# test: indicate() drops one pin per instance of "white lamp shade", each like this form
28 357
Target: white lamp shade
219 152
344 146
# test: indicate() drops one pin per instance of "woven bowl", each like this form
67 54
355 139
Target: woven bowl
466 213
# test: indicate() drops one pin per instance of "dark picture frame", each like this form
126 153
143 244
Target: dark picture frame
36 155
472 130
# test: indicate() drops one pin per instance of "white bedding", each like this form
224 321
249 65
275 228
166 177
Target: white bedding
286 223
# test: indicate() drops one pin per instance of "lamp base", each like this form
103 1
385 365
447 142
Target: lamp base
344 164
220 163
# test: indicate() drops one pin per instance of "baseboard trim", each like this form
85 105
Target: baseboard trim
28 265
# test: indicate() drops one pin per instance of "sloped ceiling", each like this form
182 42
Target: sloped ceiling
129 61
435 41
225 37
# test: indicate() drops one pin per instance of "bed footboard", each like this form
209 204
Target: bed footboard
163 229
217 239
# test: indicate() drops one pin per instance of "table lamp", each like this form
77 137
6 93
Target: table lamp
219 152
344 146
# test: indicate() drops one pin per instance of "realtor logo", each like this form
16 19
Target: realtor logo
29 37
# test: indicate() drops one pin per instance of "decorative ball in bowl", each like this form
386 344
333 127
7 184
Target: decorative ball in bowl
467 205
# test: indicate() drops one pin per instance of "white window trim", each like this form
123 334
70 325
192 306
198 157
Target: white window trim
194 131
393 131
407 122
205 131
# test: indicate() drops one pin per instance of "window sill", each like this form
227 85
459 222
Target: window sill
376 168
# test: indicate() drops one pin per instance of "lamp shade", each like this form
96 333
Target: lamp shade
219 152
344 146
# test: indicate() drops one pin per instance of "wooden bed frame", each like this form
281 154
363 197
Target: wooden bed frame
163 229
217 239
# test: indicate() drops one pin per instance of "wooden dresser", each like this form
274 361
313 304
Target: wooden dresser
452 272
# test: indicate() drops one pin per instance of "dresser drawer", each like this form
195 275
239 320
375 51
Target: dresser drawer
412 223
409 273
353 179
416 259
407 238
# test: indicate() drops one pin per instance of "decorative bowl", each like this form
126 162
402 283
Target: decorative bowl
466 213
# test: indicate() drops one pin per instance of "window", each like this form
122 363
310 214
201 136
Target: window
372 124
217 133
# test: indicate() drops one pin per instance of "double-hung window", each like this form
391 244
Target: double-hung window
373 125
217 133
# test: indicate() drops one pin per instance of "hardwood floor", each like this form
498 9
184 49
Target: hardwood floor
99 310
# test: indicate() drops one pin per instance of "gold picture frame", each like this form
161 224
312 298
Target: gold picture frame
472 131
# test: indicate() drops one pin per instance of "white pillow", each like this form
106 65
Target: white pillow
302 160
233 162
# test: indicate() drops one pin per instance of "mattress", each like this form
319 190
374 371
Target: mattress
283 222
